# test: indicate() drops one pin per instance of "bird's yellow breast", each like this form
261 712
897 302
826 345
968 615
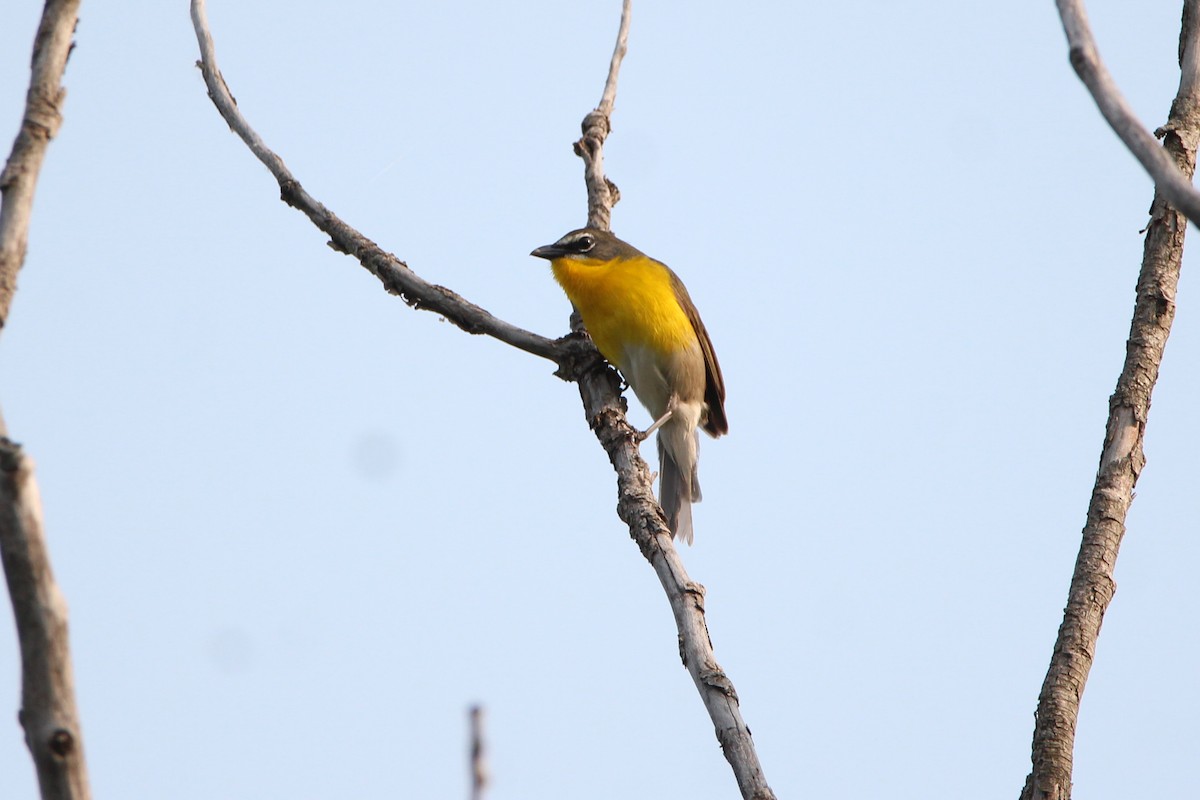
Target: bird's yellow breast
626 303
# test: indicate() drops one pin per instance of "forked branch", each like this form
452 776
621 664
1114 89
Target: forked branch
636 504
1122 457
1175 187
578 361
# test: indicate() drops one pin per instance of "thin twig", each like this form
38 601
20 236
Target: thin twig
1122 458
603 193
48 713
636 504
1085 58
614 65
395 275
479 772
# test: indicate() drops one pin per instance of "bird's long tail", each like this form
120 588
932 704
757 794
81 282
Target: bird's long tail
679 484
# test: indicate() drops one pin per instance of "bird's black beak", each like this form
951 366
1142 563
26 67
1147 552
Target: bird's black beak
548 251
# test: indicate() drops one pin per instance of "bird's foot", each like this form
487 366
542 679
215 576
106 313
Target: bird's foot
658 423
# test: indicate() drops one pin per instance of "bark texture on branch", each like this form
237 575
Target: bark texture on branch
43 116
1170 182
648 528
48 713
1122 458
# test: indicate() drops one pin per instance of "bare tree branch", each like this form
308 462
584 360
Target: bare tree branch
647 526
1122 459
609 98
1085 58
636 504
43 116
578 361
603 193
395 275
479 772
48 714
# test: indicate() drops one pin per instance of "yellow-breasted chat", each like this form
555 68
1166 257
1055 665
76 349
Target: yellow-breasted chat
642 320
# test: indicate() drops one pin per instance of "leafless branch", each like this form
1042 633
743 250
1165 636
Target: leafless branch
636 504
43 116
48 714
578 361
609 98
647 526
395 275
1122 458
479 772
603 193
1085 58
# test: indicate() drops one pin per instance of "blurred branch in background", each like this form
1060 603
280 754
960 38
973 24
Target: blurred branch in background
478 754
48 713
1122 459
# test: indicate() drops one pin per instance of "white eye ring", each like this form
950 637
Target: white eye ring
585 243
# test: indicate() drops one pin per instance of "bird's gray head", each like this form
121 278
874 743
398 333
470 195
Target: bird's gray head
587 244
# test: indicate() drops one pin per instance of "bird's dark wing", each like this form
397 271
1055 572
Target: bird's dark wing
715 422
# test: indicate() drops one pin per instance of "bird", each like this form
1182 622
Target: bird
642 320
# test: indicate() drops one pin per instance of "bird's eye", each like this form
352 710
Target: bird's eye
585 243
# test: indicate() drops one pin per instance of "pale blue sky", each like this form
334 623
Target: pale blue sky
302 527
